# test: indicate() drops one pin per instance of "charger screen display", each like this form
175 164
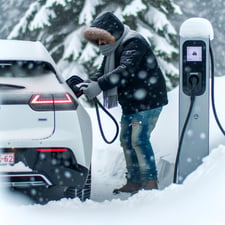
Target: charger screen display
194 54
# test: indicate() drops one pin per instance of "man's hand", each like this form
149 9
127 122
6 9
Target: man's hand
90 89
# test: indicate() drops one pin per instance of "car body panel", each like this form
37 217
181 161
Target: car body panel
34 117
17 119
26 125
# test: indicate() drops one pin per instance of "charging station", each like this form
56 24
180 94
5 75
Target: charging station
195 35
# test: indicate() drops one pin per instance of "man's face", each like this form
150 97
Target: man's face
102 42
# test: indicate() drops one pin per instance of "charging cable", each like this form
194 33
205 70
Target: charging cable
212 92
98 104
193 81
73 82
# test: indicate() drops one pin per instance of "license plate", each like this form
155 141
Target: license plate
7 158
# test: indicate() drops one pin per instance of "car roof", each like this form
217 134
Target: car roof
24 50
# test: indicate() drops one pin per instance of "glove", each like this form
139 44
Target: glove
91 89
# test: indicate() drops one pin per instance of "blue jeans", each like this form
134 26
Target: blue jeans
135 141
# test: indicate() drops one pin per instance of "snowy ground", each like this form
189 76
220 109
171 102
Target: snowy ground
200 200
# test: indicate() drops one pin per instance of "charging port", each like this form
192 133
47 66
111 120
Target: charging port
194 84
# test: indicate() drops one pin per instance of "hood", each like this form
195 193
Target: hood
106 26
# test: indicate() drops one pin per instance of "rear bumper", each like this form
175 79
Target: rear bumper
46 169
24 179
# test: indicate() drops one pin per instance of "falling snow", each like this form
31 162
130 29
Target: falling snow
173 204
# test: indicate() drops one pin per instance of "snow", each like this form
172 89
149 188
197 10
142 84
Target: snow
200 200
134 8
159 20
23 23
73 40
18 167
41 18
42 22
50 3
88 11
160 43
197 27
167 68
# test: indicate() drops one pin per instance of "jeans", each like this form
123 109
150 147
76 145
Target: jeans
135 141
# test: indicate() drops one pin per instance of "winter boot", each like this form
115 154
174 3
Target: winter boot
150 184
129 187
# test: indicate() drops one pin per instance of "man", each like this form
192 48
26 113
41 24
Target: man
130 75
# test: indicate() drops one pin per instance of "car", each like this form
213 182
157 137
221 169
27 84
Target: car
45 132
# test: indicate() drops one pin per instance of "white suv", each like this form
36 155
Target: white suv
45 133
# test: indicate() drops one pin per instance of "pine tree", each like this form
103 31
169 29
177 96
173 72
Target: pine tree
10 14
58 24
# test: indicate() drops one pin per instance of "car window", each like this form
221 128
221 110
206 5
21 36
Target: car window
24 68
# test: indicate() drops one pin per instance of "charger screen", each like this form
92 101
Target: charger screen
194 53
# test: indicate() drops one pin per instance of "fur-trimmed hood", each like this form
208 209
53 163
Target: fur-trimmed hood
106 27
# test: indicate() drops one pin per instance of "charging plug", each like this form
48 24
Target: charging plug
74 82
194 84
193 80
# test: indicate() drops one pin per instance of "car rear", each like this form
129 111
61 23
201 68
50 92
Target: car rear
45 134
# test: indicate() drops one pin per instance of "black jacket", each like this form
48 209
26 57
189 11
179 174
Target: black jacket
140 82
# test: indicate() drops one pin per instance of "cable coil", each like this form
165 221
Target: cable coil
97 103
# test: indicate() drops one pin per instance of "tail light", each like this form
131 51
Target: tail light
52 149
50 102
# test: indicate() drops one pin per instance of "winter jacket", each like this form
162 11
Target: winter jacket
140 82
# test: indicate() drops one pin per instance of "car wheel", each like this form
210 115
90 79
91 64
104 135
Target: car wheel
82 193
85 192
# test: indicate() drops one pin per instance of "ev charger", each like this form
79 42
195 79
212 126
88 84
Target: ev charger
195 35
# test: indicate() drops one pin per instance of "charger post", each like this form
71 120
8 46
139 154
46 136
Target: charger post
195 35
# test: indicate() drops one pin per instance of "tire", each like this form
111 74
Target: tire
85 192
82 193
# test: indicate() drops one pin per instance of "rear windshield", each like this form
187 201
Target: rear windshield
25 69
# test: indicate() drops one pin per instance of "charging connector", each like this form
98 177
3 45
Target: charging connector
193 80
194 83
